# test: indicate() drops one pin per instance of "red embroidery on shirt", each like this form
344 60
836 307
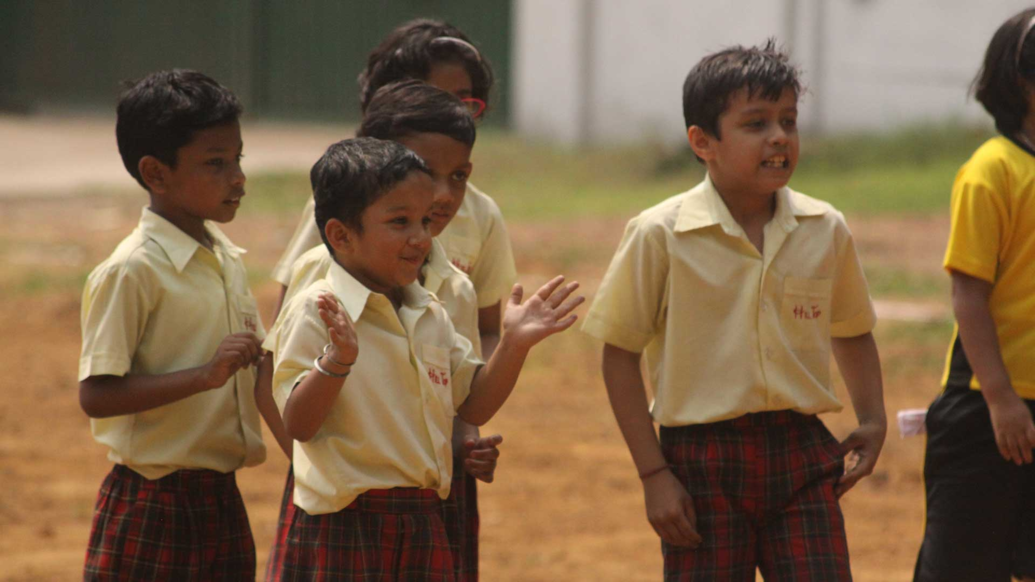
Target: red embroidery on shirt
466 268
803 312
437 377
249 322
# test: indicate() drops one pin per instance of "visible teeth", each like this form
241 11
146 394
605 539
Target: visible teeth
775 161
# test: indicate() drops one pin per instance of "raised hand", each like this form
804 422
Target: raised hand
862 448
236 351
546 312
480 457
344 343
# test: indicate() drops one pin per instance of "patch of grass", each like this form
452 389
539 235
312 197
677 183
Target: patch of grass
886 281
36 281
909 348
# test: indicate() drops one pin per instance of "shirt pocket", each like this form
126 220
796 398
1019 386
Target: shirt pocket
436 365
463 253
805 313
247 315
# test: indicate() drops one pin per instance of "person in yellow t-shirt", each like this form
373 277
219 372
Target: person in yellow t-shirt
369 372
978 472
738 291
170 333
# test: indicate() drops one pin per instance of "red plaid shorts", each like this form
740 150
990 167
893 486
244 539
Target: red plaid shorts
275 563
384 535
460 514
763 490
189 525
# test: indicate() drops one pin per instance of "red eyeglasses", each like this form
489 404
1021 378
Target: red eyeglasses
475 106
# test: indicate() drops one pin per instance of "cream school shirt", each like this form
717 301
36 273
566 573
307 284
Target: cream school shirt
162 303
449 284
392 421
476 241
726 330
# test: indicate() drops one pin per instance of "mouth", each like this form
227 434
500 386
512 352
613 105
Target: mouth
777 162
234 201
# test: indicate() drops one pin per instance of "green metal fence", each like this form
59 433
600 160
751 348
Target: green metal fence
284 59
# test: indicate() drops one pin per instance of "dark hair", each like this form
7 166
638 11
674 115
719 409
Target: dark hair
409 52
160 114
353 174
410 107
1009 60
764 71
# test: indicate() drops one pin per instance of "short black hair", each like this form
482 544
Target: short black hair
353 174
160 114
764 71
410 107
412 48
1009 60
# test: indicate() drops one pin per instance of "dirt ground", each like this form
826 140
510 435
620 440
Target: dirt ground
566 505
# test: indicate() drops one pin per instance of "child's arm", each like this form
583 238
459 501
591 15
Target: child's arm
1011 419
859 363
524 325
670 509
104 396
268 406
310 402
489 328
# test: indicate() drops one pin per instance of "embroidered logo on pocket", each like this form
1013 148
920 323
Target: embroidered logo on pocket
436 361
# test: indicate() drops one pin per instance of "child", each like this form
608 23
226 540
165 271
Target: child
371 410
476 239
438 128
978 470
170 330
739 289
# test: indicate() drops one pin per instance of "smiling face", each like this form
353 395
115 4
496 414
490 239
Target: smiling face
387 254
207 182
758 149
450 163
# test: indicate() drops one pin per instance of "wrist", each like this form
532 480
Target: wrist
512 344
652 473
998 393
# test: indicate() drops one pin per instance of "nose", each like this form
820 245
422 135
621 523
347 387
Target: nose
779 136
442 193
237 178
421 237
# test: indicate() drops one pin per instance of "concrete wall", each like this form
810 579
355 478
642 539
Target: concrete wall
607 71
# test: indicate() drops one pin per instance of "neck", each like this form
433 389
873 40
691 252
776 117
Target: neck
747 208
194 227
1027 131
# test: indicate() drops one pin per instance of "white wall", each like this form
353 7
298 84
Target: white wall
606 71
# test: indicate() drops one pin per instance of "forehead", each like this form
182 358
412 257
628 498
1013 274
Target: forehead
742 102
451 77
413 194
216 138
437 148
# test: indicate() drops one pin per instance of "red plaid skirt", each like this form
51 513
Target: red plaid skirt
460 514
763 490
189 525
384 535
275 563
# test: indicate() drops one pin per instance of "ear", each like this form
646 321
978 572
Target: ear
702 142
154 173
339 235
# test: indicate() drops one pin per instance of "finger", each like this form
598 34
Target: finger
489 442
568 306
545 291
850 443
1015 450
687 535
691 518
564 323
671 534
490 454
474 465
1026 447
497 439
561 294
516 293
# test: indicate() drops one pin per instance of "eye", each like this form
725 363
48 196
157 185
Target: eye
215 162
426 220
790 122
755 123
460 176
399 221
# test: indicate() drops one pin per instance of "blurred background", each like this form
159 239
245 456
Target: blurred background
585 130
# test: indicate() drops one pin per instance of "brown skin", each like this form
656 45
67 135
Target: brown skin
206 183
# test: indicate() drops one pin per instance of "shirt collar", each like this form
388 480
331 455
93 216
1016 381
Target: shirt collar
703 206
178 245
437 268
354 295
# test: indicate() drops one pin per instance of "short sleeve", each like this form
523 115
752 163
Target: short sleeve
851 310
978 220
297 338
306 236
464 364
116 305
494 273
629 305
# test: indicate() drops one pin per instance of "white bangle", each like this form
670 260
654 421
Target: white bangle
326 349
319 368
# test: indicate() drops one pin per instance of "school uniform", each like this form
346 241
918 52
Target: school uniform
737 347
369 484
975 498
456 293
170 509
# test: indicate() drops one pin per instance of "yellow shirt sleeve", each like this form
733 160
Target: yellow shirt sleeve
979 219
629 307
464 364
297 338
305 237
851 311
494 274
115 308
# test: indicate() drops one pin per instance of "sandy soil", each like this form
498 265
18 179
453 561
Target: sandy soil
567 504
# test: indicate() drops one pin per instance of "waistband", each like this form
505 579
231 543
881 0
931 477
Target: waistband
752 420
397 501
182 481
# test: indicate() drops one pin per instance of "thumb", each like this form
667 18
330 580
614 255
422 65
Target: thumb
850 443
515 295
